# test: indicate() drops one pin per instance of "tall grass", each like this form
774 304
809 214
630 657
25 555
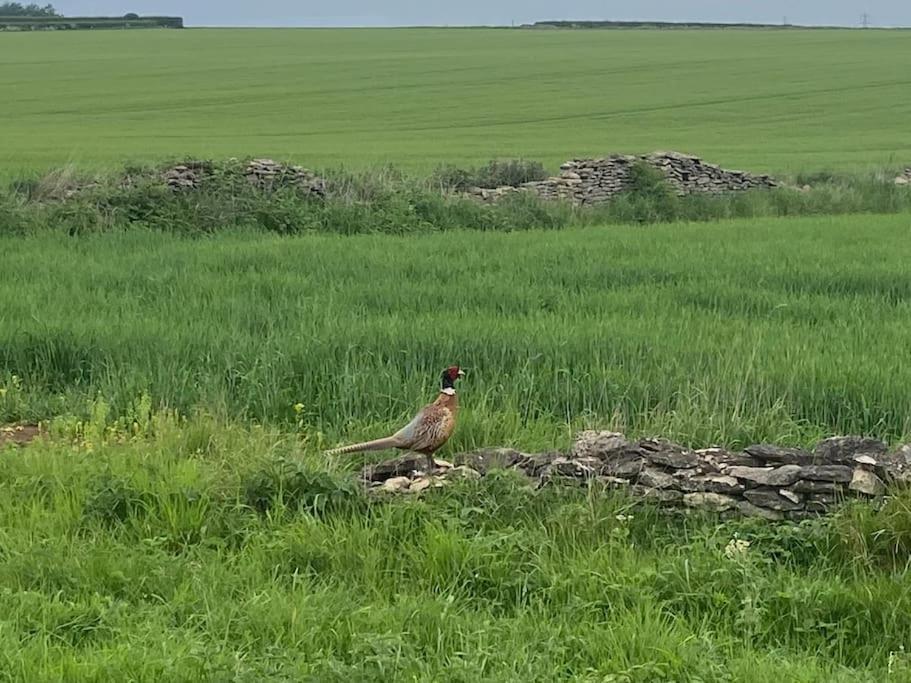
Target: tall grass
736 332
253 560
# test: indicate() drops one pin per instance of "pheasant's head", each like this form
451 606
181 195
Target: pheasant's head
450 375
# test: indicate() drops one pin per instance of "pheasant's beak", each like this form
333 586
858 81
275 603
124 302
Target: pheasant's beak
461 373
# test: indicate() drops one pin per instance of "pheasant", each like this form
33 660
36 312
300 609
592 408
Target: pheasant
430 428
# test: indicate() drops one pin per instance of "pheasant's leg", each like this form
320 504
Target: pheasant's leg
431 463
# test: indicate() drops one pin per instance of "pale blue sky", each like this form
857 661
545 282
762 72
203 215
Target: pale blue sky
500 12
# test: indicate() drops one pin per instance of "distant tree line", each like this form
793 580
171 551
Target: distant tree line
16 9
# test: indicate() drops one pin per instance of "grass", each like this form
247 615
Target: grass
776 101
737 332
150 558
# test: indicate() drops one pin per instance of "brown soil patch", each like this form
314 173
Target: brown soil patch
18 435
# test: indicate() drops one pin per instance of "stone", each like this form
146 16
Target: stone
867 483
785 475
667 454
489 459
718 458
815 486
778 454
791 496
627 465
831 473
903 454
442 464
820 503
841 450
575 469
404 465
753 475
716 502
655 478
771 499
865 460
396 484
657 495
711 483
598 444
747 509
534 464
421 484
463 472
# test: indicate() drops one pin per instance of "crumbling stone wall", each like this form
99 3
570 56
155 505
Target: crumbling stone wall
766 481
264 174
595 181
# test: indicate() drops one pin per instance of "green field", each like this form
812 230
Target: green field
192 355
737 332
146 558
761 100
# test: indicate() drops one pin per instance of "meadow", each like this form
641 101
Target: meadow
773 101
191 356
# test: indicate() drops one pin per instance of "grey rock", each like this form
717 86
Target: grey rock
785 475
575 469
598 444
840 450
710 483
767 476
655 478
534 464
749 510
403 466
832 473
716 502
814 486
489 459
657 495
625 465
795 498
463 472
667 454
757 476
778 454
867 483
771 499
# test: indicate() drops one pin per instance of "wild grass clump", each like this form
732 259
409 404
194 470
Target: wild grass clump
496 173
146 551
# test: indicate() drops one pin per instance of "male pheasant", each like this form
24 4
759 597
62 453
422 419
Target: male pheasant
430 428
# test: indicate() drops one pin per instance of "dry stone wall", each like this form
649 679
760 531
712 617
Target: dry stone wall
595 181
264 174
766 481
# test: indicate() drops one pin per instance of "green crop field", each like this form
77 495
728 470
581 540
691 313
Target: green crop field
145 558
190 355
763 100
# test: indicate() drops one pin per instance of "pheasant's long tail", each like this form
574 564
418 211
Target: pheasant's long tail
377 445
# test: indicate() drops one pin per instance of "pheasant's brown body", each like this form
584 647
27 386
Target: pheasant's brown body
427 432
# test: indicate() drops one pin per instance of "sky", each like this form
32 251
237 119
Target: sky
495 12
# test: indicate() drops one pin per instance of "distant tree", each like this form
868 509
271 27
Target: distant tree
15 9
132 16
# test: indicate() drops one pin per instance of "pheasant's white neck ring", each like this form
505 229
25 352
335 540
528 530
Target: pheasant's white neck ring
449 391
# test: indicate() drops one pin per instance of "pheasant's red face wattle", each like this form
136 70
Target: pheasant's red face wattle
454 372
